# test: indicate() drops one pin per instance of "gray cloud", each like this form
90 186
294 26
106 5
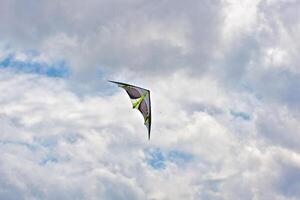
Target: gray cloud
224 83
157 37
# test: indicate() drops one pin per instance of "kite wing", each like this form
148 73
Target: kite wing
140 99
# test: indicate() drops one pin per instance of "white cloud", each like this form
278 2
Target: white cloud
82 147
224 80
240 17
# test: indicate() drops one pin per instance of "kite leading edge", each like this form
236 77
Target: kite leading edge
140 99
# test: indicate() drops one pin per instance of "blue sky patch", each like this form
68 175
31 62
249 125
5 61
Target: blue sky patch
24 144
155 159
241 115
158 159
48 159
58 69
179 157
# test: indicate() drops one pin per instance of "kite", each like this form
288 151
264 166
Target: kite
140 99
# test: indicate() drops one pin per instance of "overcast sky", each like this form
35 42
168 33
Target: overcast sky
224 77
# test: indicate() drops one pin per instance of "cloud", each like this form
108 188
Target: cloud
154 37
49 130
224 84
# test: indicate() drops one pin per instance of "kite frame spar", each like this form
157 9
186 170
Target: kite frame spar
136 104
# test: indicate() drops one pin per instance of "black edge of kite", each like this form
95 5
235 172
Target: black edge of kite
150 118
128 85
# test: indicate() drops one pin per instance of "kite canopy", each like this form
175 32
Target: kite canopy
140 99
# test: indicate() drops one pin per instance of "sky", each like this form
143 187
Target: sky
224 77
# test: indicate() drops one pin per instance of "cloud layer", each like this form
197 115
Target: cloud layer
224 80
